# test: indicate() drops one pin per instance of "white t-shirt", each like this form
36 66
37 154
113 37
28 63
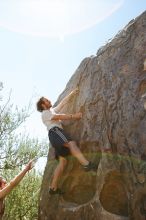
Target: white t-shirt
47 115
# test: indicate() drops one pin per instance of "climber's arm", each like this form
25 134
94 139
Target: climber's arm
14 182
67 116
65 100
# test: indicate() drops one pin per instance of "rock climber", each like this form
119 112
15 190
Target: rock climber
59 139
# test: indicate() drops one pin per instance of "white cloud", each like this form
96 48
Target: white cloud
54 18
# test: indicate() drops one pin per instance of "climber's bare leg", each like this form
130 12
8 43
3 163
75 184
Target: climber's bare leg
75 151
58 172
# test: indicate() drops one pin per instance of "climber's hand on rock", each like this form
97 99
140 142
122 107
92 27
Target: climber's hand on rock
77 115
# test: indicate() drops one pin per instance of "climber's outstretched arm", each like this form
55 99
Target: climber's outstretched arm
62 117
65 100
14 182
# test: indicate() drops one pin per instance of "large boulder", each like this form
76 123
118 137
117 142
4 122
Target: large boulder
112 133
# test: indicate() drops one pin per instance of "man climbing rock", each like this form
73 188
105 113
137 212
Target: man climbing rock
62 142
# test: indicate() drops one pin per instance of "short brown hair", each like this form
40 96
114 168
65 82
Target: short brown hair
39 104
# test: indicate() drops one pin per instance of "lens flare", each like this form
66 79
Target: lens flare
54 18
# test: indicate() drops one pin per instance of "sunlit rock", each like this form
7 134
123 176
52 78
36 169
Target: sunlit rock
112 133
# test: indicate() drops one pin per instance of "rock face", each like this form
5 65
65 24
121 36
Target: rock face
112 133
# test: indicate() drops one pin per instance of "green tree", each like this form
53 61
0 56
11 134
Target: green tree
22 203
16 149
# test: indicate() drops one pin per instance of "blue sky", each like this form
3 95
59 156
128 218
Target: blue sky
42 43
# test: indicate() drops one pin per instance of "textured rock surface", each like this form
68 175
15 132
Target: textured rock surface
112 133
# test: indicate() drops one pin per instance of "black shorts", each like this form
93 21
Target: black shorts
58 137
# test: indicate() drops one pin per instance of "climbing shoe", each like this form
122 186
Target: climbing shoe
90 167
55 192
